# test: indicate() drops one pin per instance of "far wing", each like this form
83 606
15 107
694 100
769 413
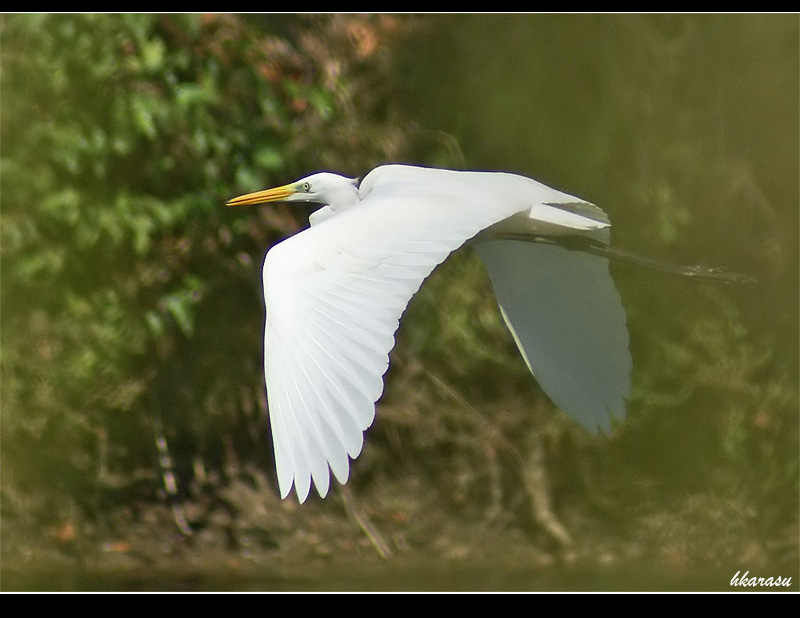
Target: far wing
567 318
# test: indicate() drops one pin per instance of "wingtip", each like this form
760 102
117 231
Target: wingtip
303 492
302 495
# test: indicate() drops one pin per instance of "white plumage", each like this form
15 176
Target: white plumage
335 293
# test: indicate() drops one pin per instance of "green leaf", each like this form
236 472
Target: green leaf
270 158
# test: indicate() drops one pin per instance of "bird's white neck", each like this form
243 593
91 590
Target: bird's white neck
342 195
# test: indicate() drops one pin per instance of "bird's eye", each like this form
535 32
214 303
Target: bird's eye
306 187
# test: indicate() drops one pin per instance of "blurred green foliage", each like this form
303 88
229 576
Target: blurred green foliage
130 295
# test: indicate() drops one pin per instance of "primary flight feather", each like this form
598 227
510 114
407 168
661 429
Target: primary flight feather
335 292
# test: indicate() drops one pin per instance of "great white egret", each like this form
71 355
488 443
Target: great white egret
335 293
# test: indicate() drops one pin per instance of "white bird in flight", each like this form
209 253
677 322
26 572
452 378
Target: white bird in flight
335 292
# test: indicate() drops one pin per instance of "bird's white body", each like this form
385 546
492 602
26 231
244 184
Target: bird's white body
335 293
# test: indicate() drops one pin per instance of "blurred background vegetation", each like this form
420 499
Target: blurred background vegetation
133 412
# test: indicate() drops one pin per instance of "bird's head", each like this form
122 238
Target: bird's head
323 188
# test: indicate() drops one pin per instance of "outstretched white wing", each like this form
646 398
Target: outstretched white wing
335 293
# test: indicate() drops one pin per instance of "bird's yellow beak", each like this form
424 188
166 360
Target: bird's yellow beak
259 197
